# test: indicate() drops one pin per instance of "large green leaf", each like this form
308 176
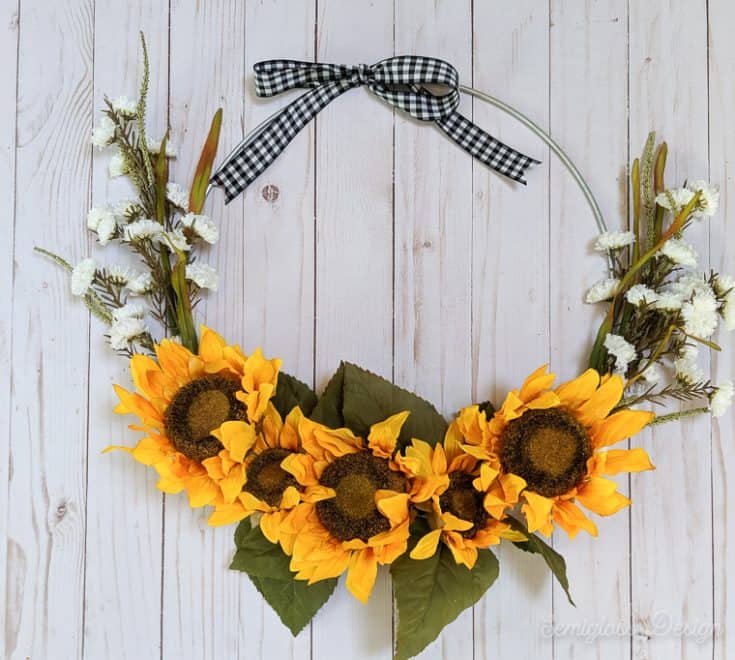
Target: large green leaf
291 392
358 399
328 410
536 545
293 600
430 593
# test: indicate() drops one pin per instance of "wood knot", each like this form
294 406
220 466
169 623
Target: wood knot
270 193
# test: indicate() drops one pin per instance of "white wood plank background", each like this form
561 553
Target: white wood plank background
385 245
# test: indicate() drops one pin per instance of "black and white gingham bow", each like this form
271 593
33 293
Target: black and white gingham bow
398 80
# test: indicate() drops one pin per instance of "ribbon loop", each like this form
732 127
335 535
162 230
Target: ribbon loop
400 81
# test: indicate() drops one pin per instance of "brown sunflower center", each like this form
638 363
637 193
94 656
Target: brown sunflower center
197 409
463 500
548 448
355 478
266 479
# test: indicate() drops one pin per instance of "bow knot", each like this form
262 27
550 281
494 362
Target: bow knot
400 81
363 74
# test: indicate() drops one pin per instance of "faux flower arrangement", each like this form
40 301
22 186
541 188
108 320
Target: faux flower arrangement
368 474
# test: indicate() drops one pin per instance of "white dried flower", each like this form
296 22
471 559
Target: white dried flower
614 240
668 302
653 374
154 146
104 132
177 195
120 274
117 165
125 330
725 289
82 276
142 229
680 252
623 352
700 315
202 226
687 369
175 239
129 311
640 294
709 198
674 200
125 107
140 284
690 284
722 399
203 275
602 290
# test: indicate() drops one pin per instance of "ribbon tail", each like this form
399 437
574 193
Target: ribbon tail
255 155
497 156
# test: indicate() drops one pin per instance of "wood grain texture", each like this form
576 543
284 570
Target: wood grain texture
122 569
206 54
722 238
672 582
354 266
510 300
8 81
50 361
587 48
433 237
371 239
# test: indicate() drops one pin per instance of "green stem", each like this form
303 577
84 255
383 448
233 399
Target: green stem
683 414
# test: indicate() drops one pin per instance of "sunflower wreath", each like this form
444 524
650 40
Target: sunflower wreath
368 474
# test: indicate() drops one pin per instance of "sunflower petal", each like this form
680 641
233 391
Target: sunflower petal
626 460
361 574
599 405
600 496
426 547
572 519
619 426
383 435
537 510
577 391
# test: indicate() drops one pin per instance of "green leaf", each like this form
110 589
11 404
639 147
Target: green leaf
536 545
430 593
204 167
293 600
290 393
358 399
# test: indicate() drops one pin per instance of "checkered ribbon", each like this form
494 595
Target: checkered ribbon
398 80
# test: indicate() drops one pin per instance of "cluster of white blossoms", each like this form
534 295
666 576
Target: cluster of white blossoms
127 223
676 199
128 324
692 303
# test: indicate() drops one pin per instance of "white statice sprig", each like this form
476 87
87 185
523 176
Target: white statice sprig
103 133
602 290
623 351
203 275
82 276
721 400
202 227
709 198
128 325
177 195
611 241
125 107
680 252
640 294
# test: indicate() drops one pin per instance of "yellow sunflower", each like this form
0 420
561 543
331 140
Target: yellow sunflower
553 444
182 400
255 482
444 477
361 518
